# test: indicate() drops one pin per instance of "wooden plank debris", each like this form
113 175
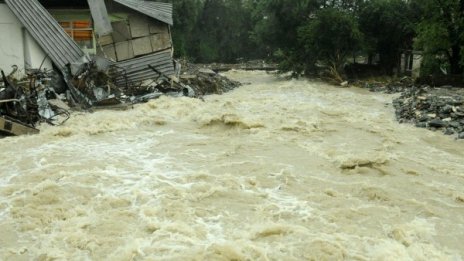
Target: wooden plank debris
11 127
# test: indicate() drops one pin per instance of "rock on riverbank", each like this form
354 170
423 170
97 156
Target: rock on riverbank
433 108
390 86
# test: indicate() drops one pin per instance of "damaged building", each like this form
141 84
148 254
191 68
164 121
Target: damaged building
99 51
132 34
82 54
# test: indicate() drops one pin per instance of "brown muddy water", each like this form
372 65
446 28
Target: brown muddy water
275 170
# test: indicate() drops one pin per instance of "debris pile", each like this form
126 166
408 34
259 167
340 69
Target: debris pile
206 81
25 103
46 96
433 108
390 86
260 65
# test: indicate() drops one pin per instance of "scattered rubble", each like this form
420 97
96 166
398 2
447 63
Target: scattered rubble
386 86
205 81
433 108
25 103
45 96
242 65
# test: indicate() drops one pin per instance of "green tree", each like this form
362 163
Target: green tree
185 15
441 35
388 28
222 32
276 21
326 42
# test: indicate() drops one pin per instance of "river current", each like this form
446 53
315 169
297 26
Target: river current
274 170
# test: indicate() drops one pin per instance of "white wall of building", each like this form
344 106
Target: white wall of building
17 46
11 45
34 55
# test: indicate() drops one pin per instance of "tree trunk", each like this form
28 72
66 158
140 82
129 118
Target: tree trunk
455 60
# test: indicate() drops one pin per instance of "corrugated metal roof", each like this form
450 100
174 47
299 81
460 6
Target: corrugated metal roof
46 31
137 69
157 10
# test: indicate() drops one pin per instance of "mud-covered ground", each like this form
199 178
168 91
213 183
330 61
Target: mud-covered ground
273 170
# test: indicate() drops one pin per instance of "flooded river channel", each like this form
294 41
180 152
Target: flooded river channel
275 170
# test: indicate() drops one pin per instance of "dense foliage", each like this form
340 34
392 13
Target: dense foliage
213 30
326 42
440 35
321 36
388 27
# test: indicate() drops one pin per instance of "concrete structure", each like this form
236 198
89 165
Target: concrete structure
18 47
411 63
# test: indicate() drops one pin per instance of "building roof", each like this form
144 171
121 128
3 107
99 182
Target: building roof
156 10
137 69
61 49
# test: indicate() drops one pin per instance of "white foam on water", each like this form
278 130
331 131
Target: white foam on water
275 170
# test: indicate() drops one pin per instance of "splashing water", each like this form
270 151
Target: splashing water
275 170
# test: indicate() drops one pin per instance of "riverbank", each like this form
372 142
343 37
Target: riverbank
437 109
433 108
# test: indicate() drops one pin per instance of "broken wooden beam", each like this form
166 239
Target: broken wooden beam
11 127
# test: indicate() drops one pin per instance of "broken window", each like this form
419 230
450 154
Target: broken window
81 31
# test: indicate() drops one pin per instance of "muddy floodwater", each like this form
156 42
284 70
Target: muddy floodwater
275 170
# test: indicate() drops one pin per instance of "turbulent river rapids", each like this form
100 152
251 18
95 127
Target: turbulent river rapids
274 170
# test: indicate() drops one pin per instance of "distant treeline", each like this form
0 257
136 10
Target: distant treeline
307 36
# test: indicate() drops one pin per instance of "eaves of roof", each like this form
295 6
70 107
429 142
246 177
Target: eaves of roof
157 10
